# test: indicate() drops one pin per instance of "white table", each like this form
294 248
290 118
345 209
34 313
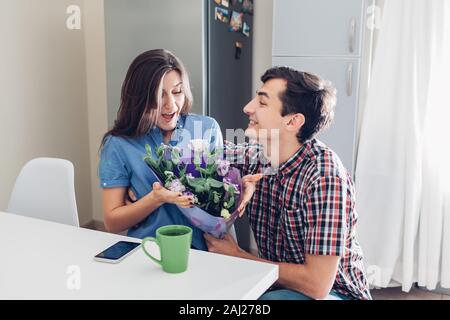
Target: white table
42 260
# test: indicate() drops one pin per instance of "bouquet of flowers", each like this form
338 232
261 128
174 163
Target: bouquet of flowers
214 184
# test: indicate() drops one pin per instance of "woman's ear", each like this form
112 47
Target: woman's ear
295 122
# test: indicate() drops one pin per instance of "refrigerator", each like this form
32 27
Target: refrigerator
216 52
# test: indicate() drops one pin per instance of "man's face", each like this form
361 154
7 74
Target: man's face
264 111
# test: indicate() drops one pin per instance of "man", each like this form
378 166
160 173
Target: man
303 215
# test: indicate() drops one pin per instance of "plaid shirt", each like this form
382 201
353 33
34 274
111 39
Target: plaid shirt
305 207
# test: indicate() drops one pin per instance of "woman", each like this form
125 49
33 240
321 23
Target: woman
154 109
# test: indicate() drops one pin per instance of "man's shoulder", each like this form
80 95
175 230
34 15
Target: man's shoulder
324 162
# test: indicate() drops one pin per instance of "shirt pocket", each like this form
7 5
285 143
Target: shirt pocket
294 234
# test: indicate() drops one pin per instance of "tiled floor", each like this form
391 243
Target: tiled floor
414 294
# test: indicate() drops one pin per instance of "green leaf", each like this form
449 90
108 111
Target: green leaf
197 160
169 165
214 183
199 189
160 151
182 171
228 204
224 213
231 202
169 174
152 162
216 197
197 184
148 149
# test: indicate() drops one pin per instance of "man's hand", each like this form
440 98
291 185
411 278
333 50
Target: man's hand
249 185
226 246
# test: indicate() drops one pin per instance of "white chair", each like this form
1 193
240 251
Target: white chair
45 190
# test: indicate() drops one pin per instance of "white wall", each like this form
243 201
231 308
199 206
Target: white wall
127 36
262 39
94 29
42 93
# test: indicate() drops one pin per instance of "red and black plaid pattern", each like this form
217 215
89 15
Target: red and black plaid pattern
307 206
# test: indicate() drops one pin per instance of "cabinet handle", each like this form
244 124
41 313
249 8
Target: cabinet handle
351 42
350 79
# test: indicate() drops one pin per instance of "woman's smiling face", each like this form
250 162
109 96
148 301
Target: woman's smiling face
172 101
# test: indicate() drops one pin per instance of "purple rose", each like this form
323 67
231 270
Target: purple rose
228 182
190 167
222 167
233 175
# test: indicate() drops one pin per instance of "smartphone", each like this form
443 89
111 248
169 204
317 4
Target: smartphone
117 252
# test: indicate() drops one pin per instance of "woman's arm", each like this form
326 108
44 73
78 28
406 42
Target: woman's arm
119 217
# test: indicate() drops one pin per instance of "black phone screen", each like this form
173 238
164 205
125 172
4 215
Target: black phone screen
117 250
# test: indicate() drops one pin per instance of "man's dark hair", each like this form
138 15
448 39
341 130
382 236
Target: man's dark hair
307 94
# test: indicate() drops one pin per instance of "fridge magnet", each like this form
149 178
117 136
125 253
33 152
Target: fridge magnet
238 50
246 29
218 2
222 15
226 3
247 6
236 21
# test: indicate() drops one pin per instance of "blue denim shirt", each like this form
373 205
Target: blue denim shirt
121 165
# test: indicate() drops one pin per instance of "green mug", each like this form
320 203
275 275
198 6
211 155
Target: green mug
174 242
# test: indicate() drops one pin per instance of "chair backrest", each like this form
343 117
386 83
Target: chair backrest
45 190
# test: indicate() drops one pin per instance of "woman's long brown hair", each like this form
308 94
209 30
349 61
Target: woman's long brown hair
140 102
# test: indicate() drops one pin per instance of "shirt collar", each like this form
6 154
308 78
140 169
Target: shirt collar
180 125
289 166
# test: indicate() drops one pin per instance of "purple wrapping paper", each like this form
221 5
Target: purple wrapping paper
216 226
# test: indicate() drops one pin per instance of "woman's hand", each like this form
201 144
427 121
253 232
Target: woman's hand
131 197
164 195
249 185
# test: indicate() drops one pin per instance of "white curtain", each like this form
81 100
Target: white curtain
402 174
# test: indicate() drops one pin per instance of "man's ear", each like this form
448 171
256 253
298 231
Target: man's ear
295 122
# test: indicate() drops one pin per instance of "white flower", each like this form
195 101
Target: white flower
189 176
199 145
176 186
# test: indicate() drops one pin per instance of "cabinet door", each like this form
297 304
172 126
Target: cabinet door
344 74
317 27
